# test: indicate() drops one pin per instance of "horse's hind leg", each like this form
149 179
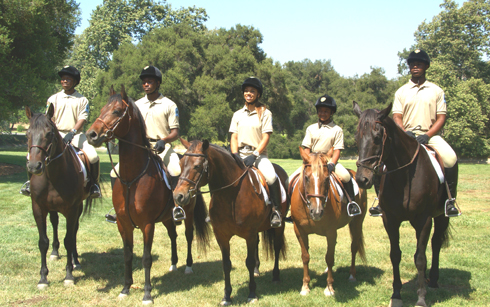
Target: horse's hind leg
257 259
189 236
330 259
76 262
357 245
54 218
439 237
423 233
250 262
43 243
71 226
148 233
172 234
278 247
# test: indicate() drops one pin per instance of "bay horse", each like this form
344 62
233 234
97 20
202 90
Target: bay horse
140 197
317 208
57 184
409 191
237 206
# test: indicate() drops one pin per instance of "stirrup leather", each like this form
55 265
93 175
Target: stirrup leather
373 206
350 205
178 214
446 205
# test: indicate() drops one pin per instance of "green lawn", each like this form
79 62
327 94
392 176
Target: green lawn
464 276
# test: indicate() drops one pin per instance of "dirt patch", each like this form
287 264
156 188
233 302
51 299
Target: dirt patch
30 301
10 169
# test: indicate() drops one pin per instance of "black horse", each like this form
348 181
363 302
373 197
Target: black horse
409 191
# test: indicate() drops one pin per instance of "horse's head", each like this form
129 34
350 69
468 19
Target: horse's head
316 182
371 138
42 139
113 121
194 173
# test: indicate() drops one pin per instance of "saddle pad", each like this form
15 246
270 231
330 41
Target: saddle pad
264 191
82 165
164 175
435 164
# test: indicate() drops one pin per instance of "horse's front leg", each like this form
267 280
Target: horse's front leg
126 232
420 258
53 217
250 262
224 244
440 235
257 259
305 256
189 236
330 260
172 234
76 262
278 246
71 226
392 227
148 233
43 244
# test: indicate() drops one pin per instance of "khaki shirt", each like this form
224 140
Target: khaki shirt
68 109
419 105
160 116
249 128
320 138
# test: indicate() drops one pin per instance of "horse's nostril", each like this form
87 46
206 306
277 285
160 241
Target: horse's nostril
92 134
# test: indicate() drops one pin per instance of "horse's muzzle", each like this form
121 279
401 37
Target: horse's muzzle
94 138
365 181
35 167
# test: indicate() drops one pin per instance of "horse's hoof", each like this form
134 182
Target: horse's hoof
69 283
326 271
256 274
304 291
77 267
121 296
252 300
395 302
225 302
328 292
352 278
54 258
172 268
188 270
42 286
148 302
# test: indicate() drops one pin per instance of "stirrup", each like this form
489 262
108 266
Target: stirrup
178 214
25 190
455 206
372 206
349 207
276 224
111 218
95 191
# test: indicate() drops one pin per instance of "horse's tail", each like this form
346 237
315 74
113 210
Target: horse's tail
357 234
201 226
270 238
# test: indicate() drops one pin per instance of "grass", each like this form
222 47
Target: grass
463 277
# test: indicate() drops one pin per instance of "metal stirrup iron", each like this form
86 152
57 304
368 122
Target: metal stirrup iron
372 206
350 205
178 214
447 203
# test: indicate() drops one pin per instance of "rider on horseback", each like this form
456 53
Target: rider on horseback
321 137
420 109
250 130
71 111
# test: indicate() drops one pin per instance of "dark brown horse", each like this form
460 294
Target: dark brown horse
140 198
57 185
409 191
237 206
317 208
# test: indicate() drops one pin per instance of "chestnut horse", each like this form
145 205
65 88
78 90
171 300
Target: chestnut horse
317 208
410 191
57 185
140 198
237 206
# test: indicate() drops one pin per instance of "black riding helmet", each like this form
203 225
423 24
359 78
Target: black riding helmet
152 72
418 55
254 82
326 101
71 71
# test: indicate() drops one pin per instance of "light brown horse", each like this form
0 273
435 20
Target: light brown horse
237 206
317 208
140 198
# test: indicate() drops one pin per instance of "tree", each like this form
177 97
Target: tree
35 37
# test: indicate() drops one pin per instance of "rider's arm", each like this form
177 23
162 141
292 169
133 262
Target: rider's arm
335 156
173 135
397 117
79 124
265 140
438 124
234 142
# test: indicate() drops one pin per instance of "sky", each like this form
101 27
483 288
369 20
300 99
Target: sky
354 35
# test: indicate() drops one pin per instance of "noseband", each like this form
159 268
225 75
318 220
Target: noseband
307 196
193 191
47 151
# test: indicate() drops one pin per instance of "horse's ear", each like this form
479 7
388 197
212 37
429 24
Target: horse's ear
112 91
28 112
304 155
385 113
205 145
357 109
50 111
185 143
123 93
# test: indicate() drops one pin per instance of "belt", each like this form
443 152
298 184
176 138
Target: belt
153 140
247 147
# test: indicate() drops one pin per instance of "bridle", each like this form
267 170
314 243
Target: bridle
307 196
110 130
47 150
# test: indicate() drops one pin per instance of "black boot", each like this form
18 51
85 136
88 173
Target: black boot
452 182
26 188
95 189
178 212
353 208
376 211
111 217
275 195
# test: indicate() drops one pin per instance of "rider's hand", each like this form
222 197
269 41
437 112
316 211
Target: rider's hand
68 137
330 167
410 133
423 139
159 146
249 161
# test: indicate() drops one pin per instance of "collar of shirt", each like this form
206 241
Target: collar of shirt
331 124
425 84
246 110
63 94
158 100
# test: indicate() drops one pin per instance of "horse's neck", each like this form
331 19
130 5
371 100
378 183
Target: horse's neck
223 169
132 158
401 149
63 163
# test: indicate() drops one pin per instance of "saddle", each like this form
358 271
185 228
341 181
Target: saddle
163 173
436 160
264 187
85 166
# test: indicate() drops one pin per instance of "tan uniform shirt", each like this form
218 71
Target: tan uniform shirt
249 128
68 109
419 105
320 138
160 116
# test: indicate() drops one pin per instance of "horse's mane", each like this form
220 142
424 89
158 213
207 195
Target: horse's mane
218 148
40 120
317 161
366 120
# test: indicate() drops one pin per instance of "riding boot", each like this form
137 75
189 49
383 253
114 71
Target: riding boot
95 189
353 208
178 212
452 182
376 210
26 188
111 217
275 195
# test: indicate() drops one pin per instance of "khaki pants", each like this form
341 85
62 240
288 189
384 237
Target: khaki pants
340 170
447 153
80 141
263 164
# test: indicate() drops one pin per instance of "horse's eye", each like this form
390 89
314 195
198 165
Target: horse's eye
377 139
197 166
49 134
117 112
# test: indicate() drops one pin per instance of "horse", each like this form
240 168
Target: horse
140 197
236 207
318 208
409 191
57 184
